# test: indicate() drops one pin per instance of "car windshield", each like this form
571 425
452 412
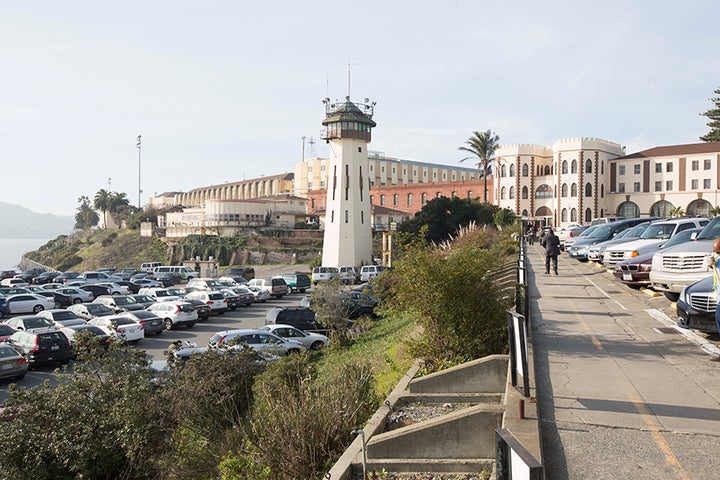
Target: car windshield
6 351
36 323
587 232
711 230
680 237
64 315
176 291
144 298
163 293
96 308
660 231
635 231
125 301
601 232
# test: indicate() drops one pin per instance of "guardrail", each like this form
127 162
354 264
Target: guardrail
26 264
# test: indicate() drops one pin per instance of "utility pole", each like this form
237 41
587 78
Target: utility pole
109 184
139 147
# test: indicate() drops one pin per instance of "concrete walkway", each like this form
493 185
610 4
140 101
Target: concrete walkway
621 392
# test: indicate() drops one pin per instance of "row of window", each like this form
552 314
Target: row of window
544 191
694 185
628 209
409 198
549 169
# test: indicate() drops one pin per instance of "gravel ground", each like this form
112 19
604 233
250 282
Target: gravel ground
408 413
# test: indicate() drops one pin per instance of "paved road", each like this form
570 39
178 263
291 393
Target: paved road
621 392
155 346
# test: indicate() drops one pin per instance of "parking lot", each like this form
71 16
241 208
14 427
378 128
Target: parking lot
155 346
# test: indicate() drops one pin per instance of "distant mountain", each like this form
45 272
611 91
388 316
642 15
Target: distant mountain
19 222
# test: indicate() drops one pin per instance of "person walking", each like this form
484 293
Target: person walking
715 261
552 249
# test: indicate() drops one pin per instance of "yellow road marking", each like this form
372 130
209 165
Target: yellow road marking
642 409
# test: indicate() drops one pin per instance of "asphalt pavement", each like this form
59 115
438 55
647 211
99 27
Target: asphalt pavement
621 391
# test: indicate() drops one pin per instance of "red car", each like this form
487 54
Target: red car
635 272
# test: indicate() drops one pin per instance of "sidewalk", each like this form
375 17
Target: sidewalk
621 392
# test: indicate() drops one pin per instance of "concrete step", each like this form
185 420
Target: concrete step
428 465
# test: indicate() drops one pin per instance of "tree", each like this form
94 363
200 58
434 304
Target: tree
504 218
713 116
715 211
677 211
85 217
482 145
102 202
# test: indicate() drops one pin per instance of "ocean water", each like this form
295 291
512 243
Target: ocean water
12 250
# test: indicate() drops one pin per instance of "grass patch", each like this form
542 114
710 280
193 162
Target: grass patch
384 345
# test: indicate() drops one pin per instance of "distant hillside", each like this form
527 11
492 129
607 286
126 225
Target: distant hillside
19 222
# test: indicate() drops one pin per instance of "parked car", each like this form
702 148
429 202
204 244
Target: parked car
581 232
42 345
12 363
119 303
146 283
44 277
149 320
311 341
62 318
324 274
368 272
88 311
675 268
4 309
97 277
696 306
5 331
61 300
203 309
298 317
161 294
240 273
7 274
28 322
97 289
132 287
215 300
259 340
101 335
296 282
275 286
203 284
144 300
148 267
29 274
14 282
64 276
358 304
115 288
656 234
261 296
597 252
246 296
635 272
349 275
78 295
602 233
28 303
174 313
121 326
126 273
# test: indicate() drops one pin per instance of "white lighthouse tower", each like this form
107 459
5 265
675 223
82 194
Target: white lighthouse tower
348 230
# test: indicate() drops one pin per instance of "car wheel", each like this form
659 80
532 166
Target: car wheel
302 290
168 324
77 301
317 345
38 308
158 332
190 325
58 305
672 296
116 293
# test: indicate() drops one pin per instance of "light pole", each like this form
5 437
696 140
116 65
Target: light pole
139 147
109 184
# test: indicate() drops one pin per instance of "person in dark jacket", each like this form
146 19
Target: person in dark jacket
552 249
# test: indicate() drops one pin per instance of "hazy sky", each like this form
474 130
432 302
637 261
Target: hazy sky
224 90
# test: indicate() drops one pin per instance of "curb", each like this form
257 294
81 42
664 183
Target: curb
651 293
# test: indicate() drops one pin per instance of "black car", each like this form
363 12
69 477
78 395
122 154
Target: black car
298 317
151 323
96 290
63 277
696 306
133 287
29 274
42 345
61 300
203 309
45 277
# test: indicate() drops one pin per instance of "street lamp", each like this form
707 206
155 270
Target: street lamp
139 147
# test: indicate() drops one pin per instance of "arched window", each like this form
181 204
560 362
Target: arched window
661 209
602 190
564 215
538 169
564 167
573 190
602 167
512 170
547 169
699 208
573 215
543 212
543 191
525 213
588 190
382 199
525 170
502 193
564 190
588 215
628 210
503 171
573 166
423 198
512 193
524 193
588 166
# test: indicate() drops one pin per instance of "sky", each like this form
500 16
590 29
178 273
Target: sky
223 91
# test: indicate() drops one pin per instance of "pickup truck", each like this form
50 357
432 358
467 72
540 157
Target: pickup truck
97 277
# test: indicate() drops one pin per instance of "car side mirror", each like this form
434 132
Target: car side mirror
693 235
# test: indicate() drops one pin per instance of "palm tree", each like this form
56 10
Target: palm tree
715 211
116 200
85 217
677 212
482 145
102 202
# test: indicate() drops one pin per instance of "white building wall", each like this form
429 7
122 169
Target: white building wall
348 227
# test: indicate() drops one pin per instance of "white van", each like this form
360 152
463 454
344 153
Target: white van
324 274
149 266
349 275
369 272
185 273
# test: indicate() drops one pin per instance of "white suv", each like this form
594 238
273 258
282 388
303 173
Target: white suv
653 236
